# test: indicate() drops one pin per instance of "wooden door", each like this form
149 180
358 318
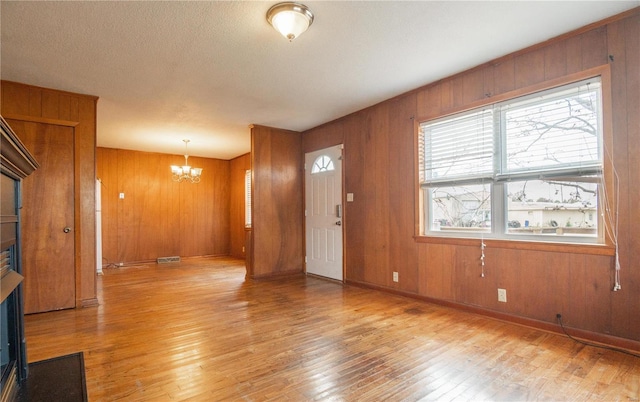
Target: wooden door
48 218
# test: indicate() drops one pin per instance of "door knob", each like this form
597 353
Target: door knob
67 229
339 223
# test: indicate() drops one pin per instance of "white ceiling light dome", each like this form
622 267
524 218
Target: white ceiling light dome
290 19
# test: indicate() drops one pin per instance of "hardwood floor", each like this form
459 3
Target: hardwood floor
198 331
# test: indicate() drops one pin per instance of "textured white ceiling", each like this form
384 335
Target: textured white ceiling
165 71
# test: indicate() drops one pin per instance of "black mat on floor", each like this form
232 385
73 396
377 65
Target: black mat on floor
57 379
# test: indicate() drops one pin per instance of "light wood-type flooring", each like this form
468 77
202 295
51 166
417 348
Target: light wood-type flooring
198 331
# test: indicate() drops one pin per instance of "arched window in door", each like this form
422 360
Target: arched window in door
323 163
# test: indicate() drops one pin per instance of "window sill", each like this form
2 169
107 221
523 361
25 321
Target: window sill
574 248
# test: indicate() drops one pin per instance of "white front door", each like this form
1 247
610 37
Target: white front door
323 210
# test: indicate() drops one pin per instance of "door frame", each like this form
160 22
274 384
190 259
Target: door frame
344 212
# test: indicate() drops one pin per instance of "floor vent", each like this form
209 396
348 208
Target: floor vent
164 260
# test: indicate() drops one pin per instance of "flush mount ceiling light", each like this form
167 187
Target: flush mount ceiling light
290 19
186 172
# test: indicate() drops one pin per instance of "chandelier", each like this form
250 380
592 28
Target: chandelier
185 172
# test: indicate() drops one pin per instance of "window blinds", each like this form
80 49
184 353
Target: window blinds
459 147
548 134
247 198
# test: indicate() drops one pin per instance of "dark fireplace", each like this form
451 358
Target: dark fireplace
16 164
12 347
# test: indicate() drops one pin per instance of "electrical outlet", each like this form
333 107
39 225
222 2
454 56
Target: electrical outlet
502 295
395 276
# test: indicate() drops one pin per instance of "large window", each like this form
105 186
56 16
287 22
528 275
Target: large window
526 168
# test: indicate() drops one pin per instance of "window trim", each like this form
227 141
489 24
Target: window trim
577 248
602 245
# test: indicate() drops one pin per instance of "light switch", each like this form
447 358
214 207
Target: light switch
349 197
122 196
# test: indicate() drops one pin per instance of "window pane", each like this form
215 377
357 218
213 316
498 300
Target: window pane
552 208
461 208
549 134
323 163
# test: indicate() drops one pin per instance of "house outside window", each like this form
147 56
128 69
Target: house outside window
526 168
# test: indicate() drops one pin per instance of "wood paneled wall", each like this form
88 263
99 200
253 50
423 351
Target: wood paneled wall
31 103
238 168
381 222
159 217
277 202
